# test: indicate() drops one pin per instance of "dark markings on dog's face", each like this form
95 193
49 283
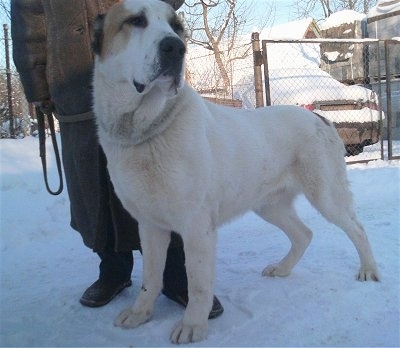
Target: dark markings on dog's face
136 20
177 26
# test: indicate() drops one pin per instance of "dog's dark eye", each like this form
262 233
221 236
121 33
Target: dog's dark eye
177 26
139 21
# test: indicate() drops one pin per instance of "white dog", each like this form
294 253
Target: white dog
179 163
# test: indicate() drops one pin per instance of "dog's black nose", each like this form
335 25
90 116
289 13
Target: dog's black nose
172 49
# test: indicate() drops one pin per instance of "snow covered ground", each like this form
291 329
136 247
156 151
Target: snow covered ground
45 268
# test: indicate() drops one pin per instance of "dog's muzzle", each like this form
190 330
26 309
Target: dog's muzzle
171 54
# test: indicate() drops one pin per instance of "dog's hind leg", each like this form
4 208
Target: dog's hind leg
282 214
326 186
154 244
334 202
322 174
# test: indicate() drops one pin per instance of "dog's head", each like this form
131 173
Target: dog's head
141 42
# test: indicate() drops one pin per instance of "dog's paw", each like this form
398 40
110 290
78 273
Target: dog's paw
183 333
368 274
275 270
130 319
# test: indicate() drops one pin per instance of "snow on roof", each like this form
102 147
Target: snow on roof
384 7
291 30
338 18
383 20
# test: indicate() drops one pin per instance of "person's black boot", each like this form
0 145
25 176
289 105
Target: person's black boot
102 292
175 281
115 275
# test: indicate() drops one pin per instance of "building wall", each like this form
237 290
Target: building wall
344 61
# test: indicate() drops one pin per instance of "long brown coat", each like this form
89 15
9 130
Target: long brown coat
52 53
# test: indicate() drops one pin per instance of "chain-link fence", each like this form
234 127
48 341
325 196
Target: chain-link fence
219 76
330 78
389 64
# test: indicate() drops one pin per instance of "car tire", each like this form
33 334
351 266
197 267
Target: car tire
354 149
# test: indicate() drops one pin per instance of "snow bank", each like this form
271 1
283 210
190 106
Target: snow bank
45 268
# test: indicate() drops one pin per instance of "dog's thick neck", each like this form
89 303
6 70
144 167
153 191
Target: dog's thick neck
139 135
135 120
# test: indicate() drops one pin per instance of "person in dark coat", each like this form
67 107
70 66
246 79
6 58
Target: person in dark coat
52 53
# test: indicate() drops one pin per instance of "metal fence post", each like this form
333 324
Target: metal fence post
266 74
381 128
257 57
388 99
9 85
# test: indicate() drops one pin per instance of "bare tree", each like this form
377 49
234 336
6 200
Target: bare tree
216 26
325 8
5 7
357 5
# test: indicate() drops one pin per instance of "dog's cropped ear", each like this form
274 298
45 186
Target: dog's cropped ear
175 3
98 34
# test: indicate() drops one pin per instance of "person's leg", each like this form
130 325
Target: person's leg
115 271
175 278
81 161
88 187
115 275
116 266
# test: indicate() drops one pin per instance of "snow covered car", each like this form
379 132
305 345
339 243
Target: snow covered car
353 109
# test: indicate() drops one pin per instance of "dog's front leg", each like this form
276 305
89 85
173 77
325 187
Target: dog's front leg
154 242
200 267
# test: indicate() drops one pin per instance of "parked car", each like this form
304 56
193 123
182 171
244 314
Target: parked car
354 110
